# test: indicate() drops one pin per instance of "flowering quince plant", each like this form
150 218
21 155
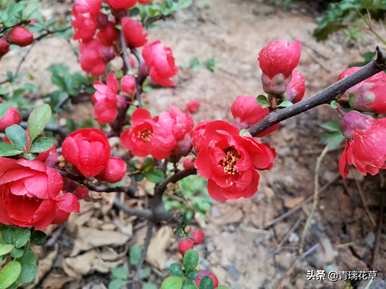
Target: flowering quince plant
46 168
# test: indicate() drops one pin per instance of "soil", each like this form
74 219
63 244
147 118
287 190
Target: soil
243 247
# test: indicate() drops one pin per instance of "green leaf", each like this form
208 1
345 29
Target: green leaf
285 103
38 237
189 285
17 252
42 144
38 119
149 285
332 139
9 274
172 282
29 267
190 260
117 284
155 175
175 269
5 249
4 106
331 126
7 150
16 235
222 287
16 135
120 272
263 100
206 283
210 64
135 255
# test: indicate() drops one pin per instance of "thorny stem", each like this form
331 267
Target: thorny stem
324 96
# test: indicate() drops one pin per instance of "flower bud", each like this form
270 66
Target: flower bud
295 88
185 245
4 46
198 236
20 36
10 117
114 171
134 32
192 106
247 111
188 163
204 273
121 4
128 85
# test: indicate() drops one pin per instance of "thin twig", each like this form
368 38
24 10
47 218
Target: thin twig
362 197
316 197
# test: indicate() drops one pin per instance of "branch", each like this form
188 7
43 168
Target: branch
125 54
324 96
161 188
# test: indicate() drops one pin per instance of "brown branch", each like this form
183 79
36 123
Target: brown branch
161 188
324 96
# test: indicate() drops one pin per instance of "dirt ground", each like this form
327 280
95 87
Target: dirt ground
246 247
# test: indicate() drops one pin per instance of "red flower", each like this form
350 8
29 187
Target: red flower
247 111
4 46
185 245
229 161
31 194
20 36
160 61
198 236
105 100
114 171
295 88
147 136
10 117
181 123
192 106
128 85
368 95
108 35
365 148
121 4
88 150
277 61
85 19
134 32
94 56
209 274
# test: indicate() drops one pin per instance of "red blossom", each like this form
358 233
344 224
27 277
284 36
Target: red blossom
88 150
31 194
85 14
148 136
105 100
198 236
134 32
10 117
108 35
247 111
295 88
20 36
365 147
128 84
192 106
121 4
94 56
185 245
160 61
229 161
114 171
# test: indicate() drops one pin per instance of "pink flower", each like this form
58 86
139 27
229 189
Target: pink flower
365 147
160 61
229 161
295 88
105 100
10 117
121 4
85 14
128 85
181 123
147 136
94 56
135 33
192 106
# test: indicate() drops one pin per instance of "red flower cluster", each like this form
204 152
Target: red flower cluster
158 136
31 194
278 60
368 95
365 147
10 117
160 61
229 161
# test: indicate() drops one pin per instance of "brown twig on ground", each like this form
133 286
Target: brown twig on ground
315 197
362 197
324 96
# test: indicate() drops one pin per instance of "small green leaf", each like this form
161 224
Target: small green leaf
42 144
135 255
120 272
263 100
331 126
7 150
188 284
117 284
285 103
29 267
5 249
4 106
332 139
175 269
172 282
222 287
155 175
16 135
206 283
9 274
149 285
190 260
16 235
38 120
38 237
334 104
17 252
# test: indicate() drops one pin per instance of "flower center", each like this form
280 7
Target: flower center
145 135
230 160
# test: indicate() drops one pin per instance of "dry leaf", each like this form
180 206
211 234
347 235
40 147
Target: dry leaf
156 254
